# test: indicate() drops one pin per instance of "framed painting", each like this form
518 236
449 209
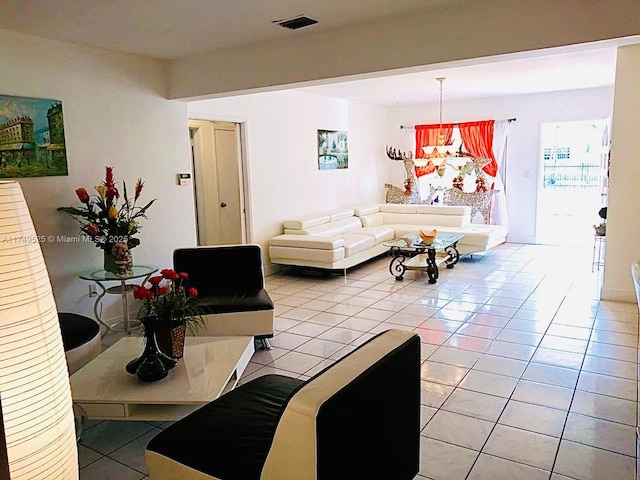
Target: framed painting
333 150
31 137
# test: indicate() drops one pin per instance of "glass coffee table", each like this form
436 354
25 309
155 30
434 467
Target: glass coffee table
411 253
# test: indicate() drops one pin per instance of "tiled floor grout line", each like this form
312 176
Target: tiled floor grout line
495 424
573 395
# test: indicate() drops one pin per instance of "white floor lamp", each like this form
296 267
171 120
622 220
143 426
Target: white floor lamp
35 398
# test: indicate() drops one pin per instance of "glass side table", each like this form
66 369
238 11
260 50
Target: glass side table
100 276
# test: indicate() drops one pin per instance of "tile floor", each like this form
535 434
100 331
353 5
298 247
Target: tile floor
525 373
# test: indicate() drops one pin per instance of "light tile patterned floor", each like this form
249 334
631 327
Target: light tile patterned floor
525 373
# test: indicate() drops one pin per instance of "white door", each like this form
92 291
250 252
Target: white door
218 182
573 184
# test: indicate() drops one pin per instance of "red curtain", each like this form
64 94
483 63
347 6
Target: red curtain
428 135
478 140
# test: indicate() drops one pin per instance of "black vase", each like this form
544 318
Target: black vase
152 365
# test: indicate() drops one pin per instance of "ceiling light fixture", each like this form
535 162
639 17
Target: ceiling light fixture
440 153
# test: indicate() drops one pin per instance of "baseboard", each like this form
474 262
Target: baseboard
616 295
274 268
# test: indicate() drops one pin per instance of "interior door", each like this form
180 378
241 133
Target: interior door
215 148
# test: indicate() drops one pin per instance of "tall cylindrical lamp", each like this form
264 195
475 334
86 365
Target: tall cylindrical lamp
35 397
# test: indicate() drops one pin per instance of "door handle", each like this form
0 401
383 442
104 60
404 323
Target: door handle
223 204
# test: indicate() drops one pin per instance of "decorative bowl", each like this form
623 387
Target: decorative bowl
428 237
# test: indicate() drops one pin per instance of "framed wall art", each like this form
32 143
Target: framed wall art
333 150
32 140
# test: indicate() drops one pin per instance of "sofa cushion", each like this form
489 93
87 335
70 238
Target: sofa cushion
366 210
397 208
483 235
242 265
380 233
307 241
341 213
354 243
332 228
228 449
236 302
444 209
311 254
348 225
427 219
372 220
306 221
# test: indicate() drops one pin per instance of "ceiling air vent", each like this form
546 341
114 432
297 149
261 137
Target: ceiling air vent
296 22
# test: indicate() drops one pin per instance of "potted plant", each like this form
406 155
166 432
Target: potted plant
601 229
108 220
169 308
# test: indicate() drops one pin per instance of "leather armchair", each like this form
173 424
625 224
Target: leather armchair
358 418
230 284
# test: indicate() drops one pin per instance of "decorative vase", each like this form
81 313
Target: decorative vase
152 365
171 339
109 262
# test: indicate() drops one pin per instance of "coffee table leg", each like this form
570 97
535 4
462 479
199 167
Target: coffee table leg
432 266
454 255
396 267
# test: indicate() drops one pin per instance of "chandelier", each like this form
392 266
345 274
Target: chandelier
440 154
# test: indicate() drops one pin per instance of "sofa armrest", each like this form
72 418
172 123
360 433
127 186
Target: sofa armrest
367 403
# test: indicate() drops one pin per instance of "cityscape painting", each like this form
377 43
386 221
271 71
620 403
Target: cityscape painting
31 137
333 150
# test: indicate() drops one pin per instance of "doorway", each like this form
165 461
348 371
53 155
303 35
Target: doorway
573 186
216 151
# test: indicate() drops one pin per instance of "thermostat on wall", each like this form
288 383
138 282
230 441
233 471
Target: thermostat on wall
184 179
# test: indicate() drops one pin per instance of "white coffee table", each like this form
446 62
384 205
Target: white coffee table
210 367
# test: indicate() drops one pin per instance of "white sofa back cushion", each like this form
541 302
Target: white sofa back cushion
331 228
426 220
373 220
397 208
366 210
307 221
341 213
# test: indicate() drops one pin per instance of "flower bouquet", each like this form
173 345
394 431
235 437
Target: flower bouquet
109 222
171 307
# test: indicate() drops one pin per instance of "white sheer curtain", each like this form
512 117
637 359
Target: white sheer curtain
499 213
409 140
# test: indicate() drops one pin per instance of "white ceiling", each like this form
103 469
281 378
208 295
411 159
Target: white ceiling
173 29
534 73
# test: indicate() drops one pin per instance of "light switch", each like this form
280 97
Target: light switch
184 179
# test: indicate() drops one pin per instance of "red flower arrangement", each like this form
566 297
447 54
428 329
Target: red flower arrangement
105 218
169 300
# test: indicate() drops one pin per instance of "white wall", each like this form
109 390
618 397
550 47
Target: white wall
115 114
281 136
623 222
523 148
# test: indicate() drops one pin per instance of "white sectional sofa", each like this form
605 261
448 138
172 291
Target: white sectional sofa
346 237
